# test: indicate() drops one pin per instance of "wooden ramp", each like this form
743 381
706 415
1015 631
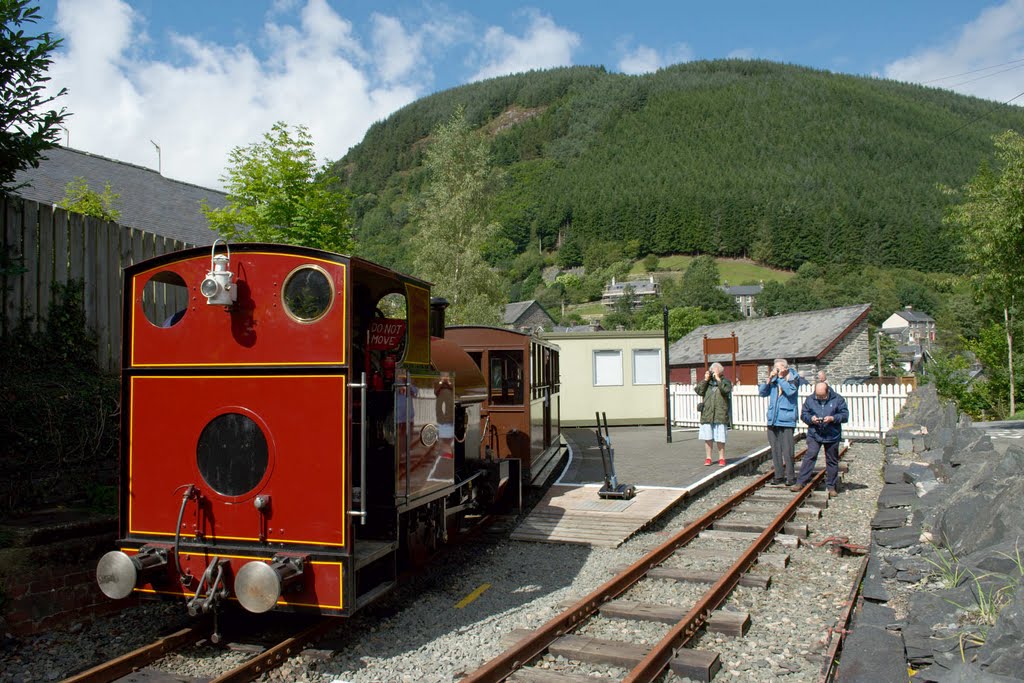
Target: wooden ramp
575 514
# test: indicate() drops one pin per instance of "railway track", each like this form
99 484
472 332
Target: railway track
264 657
756 516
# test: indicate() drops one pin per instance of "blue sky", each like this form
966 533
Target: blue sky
199 78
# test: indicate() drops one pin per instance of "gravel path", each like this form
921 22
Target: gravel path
418 635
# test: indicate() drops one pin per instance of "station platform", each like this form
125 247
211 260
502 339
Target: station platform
663 473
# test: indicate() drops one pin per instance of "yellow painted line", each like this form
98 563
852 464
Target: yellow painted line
472 596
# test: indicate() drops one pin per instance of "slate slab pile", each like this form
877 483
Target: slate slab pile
945 584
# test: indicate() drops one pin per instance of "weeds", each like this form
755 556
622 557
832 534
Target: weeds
1016 559
947 569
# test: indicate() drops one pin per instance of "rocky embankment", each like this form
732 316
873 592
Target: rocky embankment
943 589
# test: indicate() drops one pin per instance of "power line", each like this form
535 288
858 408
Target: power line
979 116
973 71
972 80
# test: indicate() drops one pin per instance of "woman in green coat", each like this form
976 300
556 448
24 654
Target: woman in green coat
716 394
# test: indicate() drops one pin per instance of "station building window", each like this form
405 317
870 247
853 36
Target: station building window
647 366
607 368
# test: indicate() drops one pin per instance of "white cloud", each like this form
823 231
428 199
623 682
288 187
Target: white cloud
543 45
742 53
996 36
397 51
643 59
215 97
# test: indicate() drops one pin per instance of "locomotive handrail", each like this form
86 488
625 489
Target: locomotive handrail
361 512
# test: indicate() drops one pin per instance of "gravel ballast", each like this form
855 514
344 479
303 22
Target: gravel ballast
420 635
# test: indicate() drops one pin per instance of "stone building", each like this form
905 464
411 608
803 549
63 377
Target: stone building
640 290
744 296
834 340
527 316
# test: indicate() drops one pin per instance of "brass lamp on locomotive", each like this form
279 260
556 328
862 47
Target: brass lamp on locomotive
288 437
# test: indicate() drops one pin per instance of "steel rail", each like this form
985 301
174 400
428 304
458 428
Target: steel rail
274 657
136 659
500 667
651 666
828 667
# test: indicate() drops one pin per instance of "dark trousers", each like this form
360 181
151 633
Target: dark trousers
831 463
780 439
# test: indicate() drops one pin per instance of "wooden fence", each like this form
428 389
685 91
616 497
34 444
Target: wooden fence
872 407
54 245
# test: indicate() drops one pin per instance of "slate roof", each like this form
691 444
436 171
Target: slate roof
149 201
912 316
805 335
743 290
638 287
515 310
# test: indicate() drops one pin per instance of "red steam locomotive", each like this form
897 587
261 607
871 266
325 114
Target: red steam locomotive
295 427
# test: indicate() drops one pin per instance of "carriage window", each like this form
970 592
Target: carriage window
308 293
165 299
506 377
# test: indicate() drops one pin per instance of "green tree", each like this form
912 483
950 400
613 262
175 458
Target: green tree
78 198
681 321
26 131
991 218
454 225
890 351
700 286
276 194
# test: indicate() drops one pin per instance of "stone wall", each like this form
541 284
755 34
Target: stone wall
534 319
948 546
849 358
48 571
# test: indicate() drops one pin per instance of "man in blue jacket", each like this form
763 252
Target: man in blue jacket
781 390
824 413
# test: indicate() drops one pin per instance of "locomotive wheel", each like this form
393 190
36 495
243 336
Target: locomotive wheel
422 534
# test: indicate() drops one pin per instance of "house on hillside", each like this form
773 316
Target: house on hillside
909 327
640 289
618 373
148 201
834 340
744 296
527 316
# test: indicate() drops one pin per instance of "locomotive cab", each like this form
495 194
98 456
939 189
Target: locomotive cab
288 436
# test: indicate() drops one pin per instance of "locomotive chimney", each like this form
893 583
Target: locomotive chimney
437 306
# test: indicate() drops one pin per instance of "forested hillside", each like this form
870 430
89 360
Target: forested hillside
779 163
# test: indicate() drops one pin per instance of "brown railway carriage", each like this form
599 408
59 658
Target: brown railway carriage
522 412
287 444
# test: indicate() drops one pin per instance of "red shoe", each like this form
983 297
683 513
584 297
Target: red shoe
721 462
707 462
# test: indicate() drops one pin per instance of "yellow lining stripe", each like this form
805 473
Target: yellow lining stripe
339 565
472 596
344 316
131 454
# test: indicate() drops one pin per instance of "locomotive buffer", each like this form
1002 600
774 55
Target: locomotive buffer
612 488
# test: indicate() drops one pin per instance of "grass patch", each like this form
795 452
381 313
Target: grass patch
587 309
733 271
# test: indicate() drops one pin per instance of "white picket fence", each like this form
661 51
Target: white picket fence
872 407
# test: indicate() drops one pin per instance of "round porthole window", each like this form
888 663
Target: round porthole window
232 454
308 293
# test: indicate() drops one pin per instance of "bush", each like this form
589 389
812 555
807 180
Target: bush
58 420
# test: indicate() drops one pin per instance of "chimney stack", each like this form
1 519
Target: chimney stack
438 304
